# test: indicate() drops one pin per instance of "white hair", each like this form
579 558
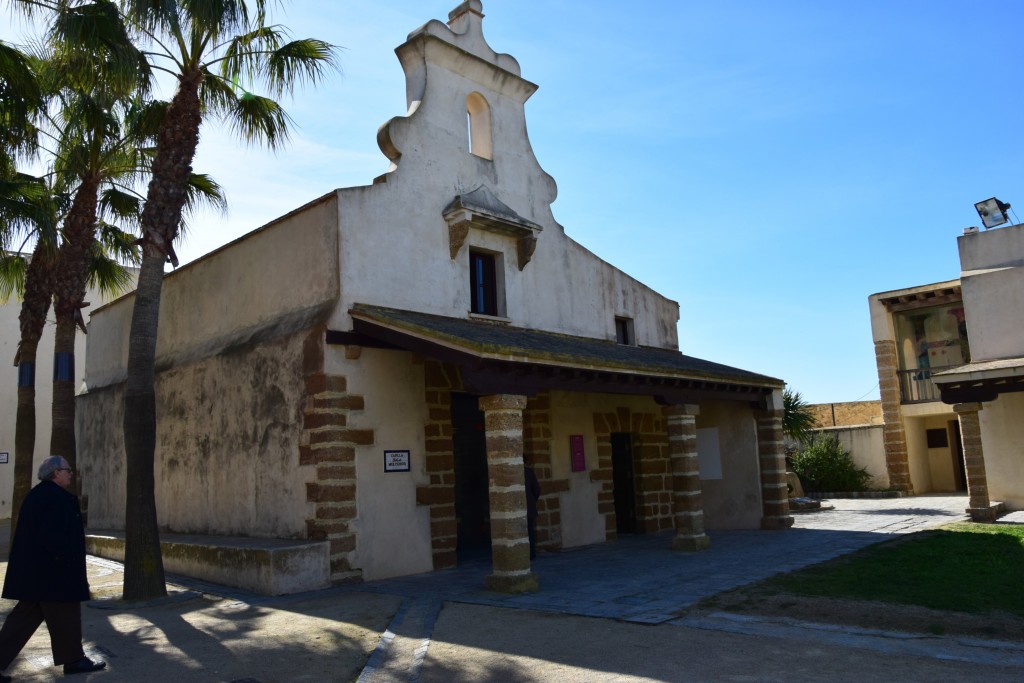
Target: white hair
51 465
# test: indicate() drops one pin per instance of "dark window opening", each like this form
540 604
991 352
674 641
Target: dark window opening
623 483
483 283
624 331
937 438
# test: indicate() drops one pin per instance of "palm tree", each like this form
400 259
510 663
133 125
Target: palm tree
798 421
101 131
208 46
26 207
73 82
38 215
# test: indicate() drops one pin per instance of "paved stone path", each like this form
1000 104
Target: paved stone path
640 579
446 627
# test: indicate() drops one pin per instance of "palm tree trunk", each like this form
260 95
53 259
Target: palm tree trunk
172 166
69 282
32 318
143 562
62 434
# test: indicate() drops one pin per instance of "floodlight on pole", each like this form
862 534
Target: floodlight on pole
992 212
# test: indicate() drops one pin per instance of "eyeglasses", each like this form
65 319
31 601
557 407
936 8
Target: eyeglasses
64 469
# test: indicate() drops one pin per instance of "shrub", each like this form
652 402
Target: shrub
824 465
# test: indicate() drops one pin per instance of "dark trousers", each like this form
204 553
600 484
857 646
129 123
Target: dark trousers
63 621
531 530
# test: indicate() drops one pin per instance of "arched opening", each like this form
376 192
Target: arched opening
478 113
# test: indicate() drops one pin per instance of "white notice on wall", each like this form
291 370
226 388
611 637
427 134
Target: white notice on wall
396 461
708 455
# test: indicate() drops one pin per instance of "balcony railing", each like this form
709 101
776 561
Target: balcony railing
916 386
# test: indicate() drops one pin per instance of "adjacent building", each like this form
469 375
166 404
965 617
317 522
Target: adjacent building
951 369
986 391
919 331
371 370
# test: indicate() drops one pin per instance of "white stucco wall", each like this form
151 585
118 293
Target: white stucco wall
917 456
931 469
262 283
992 278
234 330
573 413
1002 435
228 435
395 247
866 446
392 531
734 500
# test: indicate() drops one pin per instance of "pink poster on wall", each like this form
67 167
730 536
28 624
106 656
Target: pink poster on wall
576 456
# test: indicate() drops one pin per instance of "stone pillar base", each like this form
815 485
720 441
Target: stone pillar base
522 583
776 523
987 514
691 543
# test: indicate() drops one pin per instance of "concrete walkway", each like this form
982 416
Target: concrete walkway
442 626
641 579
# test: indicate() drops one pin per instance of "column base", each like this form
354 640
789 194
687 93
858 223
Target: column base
987 514
520 583
776 523
691 543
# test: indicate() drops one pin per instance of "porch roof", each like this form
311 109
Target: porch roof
980 381
500 358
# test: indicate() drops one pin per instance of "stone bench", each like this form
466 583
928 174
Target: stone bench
267 566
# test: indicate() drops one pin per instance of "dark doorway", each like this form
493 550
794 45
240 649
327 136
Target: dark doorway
959 467
623 482
472 505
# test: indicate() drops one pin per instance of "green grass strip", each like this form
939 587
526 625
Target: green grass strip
974 568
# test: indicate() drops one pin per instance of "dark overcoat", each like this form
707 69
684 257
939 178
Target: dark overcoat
47 559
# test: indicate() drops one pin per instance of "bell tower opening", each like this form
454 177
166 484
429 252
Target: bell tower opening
478 114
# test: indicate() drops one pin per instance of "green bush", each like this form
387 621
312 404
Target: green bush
824 466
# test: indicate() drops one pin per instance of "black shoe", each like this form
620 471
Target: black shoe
83 666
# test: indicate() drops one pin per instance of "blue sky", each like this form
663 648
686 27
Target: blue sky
766 165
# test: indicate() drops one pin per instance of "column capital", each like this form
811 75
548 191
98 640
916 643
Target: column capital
681 409
502 402
967 408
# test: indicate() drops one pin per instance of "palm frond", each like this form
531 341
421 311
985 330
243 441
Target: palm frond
121 205
143 118
217 94
203 191
118 243
27 205
94 48
21 96
798 421
108 273
12 275
298 63
260 120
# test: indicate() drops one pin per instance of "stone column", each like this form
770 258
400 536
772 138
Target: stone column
687 505
897 461
771 455
510 541
981 509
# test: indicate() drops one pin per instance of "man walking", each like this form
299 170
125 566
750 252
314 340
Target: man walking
46 572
